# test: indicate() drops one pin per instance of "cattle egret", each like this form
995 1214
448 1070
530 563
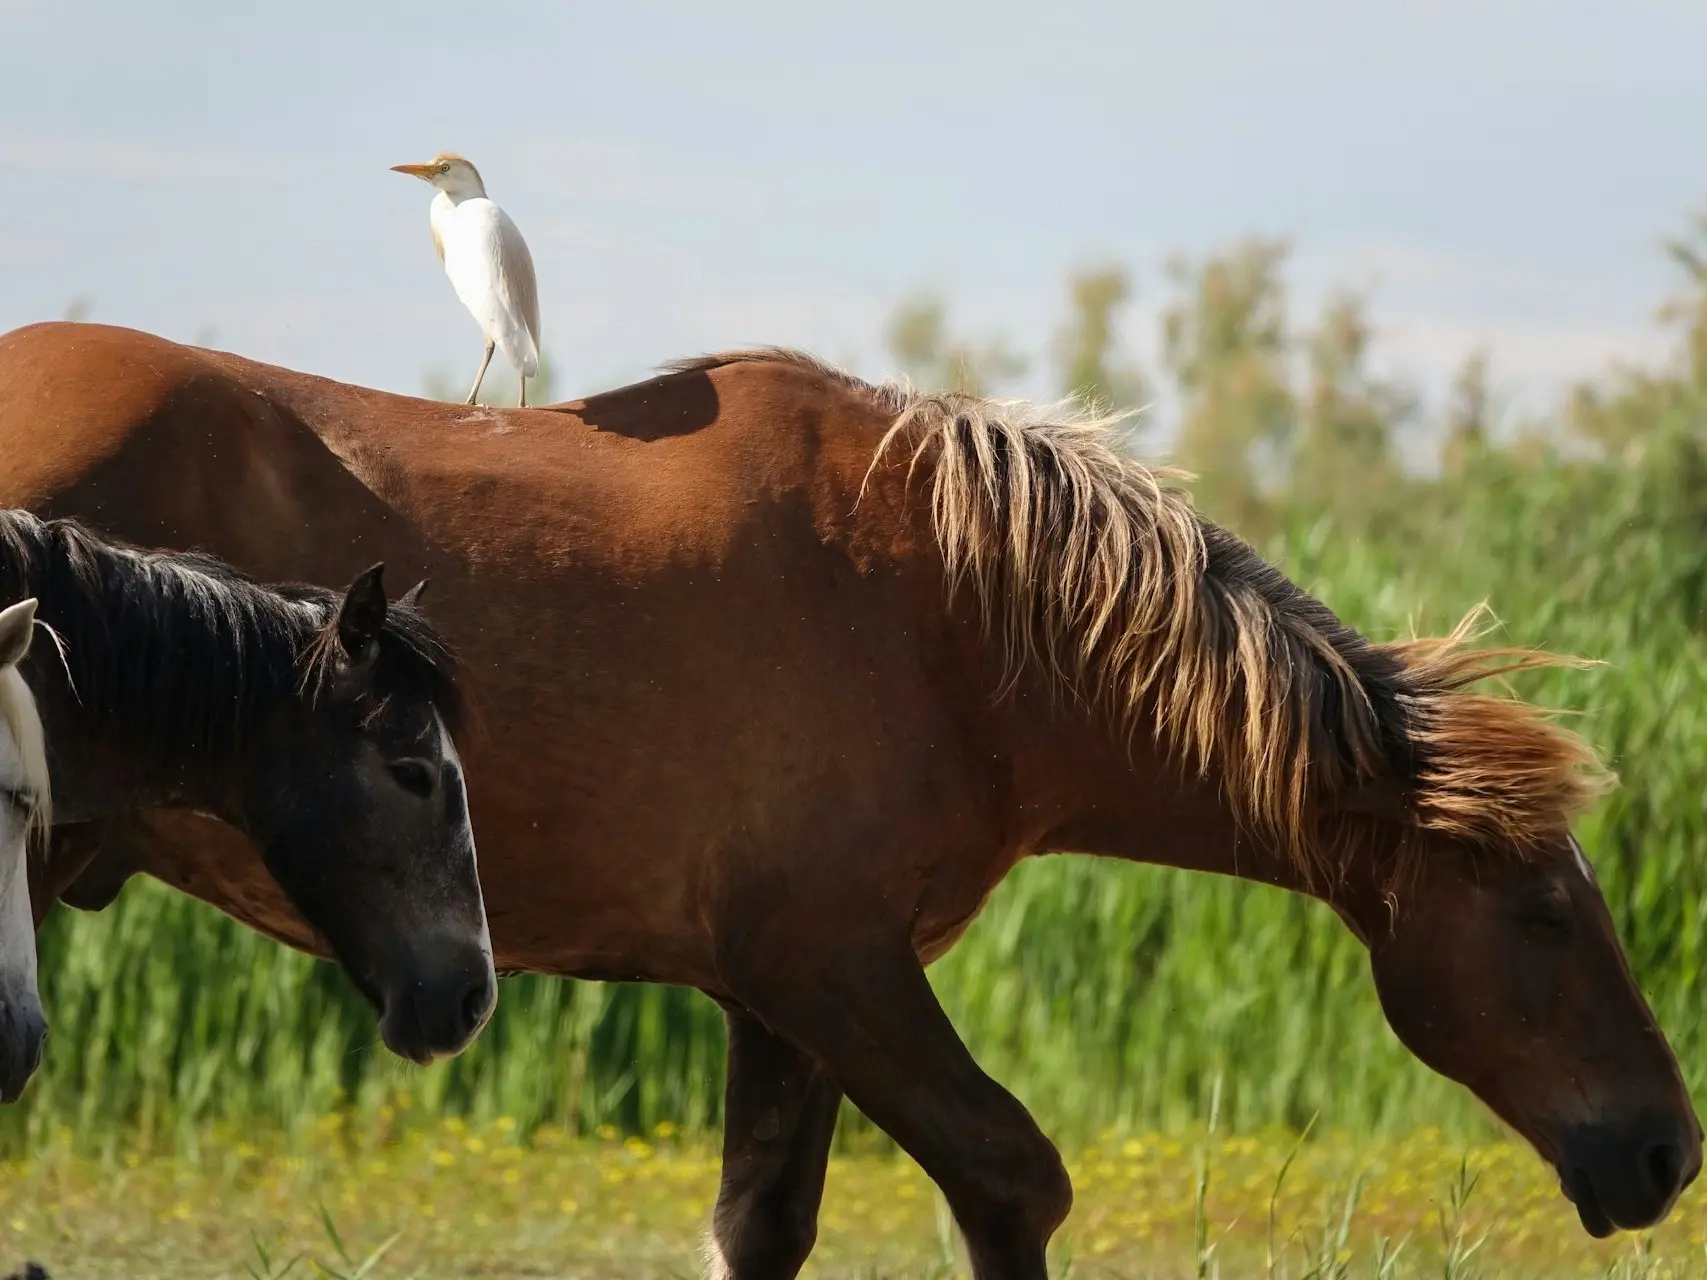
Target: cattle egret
487 261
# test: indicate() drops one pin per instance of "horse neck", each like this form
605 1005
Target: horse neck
101 768
136 656
1095 794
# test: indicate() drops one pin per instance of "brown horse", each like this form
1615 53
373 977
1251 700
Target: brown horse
791 670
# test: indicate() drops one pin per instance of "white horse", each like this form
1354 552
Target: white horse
25 814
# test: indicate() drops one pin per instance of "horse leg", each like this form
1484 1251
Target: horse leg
779 1114
866 1012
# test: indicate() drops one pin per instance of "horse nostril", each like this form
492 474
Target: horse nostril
476 1003
1663 1163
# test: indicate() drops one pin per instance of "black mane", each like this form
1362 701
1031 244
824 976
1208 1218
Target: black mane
186 652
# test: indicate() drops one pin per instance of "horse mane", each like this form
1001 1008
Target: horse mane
185 652
1095 568
23 722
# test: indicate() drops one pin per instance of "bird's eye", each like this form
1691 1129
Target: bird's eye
414 776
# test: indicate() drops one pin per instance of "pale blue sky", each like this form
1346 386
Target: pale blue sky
695 176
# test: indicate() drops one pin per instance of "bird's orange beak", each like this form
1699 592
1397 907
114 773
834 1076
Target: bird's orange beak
425 172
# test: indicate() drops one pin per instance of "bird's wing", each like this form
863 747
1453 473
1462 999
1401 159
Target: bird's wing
516 265
489 264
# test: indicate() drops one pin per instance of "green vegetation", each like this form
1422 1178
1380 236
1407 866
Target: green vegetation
1105 995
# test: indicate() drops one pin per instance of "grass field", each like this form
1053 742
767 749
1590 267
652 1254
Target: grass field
446 1200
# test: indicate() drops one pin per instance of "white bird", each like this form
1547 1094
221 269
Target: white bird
487 261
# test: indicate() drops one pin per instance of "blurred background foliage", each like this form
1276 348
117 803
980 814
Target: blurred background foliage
1104 994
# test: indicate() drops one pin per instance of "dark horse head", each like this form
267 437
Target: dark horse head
1494 954
319 724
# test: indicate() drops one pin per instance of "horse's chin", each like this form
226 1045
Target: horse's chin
1579 1190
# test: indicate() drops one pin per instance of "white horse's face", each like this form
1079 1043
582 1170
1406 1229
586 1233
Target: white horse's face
23 809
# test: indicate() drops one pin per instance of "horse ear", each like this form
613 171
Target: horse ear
412 597
1380 798
361 618
17 629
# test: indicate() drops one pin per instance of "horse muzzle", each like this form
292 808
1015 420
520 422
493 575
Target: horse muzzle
436 1003
1627 1176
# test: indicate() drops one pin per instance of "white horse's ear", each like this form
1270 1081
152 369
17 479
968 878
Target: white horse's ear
1380 798
17 629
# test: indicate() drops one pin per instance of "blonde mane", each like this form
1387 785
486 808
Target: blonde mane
18 714
1096 569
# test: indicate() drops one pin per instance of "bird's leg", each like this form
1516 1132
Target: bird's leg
480 377
521 378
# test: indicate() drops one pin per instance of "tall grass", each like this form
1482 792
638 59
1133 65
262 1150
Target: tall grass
1104 994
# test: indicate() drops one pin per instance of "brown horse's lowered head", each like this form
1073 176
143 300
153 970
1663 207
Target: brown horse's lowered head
1495 956
1506 976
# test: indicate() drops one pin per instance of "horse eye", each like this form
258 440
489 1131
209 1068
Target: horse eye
414 776
1549 912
